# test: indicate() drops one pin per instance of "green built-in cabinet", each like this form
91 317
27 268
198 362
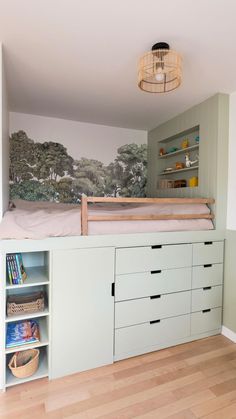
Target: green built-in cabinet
110 303
209 120
172 167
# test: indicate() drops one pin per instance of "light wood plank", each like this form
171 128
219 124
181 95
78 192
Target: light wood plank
228 412
150 217
84 215
151 200
211 406
184 382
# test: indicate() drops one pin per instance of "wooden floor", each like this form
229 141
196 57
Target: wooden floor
195 380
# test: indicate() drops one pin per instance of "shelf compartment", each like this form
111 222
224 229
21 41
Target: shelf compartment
183 150
186 169
35 276
42 371
44 339
27 316
184 188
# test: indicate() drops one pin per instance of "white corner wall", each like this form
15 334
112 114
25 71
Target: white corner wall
231 204
4 139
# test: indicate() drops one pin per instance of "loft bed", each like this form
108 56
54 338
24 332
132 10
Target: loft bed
105 215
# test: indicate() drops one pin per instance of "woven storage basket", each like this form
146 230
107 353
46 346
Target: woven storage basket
19 304
24 364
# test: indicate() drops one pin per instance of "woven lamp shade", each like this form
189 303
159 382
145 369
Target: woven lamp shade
160 71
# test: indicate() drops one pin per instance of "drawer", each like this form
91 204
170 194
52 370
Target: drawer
151 258
144 284
142 336
128 313
205 321
208 252
205 298
207 275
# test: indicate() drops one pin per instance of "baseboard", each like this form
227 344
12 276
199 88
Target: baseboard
228 334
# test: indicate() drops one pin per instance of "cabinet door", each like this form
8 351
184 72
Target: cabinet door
82 310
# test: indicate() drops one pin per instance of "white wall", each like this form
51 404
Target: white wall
4 143
81 139
231 210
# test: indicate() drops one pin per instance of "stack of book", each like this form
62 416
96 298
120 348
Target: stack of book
15 269
22 333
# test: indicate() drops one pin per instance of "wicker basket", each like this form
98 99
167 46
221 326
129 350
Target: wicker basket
24 364
31 303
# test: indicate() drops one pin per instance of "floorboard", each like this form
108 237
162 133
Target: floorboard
194 380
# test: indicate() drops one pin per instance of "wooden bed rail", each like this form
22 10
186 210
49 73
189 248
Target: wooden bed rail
85 217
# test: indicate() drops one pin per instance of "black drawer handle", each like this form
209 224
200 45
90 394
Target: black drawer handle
206 288
154 321
157 246
206 311
208 243
208 265
155 296
156 272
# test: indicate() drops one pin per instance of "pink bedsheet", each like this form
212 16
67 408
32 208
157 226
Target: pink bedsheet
38 220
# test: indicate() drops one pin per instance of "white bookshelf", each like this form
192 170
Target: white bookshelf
37 268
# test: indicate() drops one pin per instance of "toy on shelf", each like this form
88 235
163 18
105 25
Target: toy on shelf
172 150
180 183
185 143
197 139
188 162
179 165
168 169
161 152
193 182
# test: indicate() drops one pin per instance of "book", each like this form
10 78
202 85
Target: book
18 268
15 269
22 333
12 268
23 274
16 272
9 272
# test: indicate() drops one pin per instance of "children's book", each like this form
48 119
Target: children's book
22 333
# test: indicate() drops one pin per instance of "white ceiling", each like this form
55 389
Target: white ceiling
77 59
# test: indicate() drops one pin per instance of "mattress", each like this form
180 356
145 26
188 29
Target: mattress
38 220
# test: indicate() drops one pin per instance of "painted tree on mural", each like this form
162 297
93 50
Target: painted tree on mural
45 171
52 161
131 168
89 177
21 157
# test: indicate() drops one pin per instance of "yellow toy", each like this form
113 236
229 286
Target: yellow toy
185 143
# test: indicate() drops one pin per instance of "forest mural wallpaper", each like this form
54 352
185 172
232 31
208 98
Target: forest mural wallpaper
45 171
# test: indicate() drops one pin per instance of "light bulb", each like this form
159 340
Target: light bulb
159 76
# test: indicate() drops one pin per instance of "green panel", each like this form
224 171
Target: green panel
229 311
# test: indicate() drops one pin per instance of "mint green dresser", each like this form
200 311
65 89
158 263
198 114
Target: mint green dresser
166 295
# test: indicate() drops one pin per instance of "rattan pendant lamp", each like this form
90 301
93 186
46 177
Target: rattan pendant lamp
160 70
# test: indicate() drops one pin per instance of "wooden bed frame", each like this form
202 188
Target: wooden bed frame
85 217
